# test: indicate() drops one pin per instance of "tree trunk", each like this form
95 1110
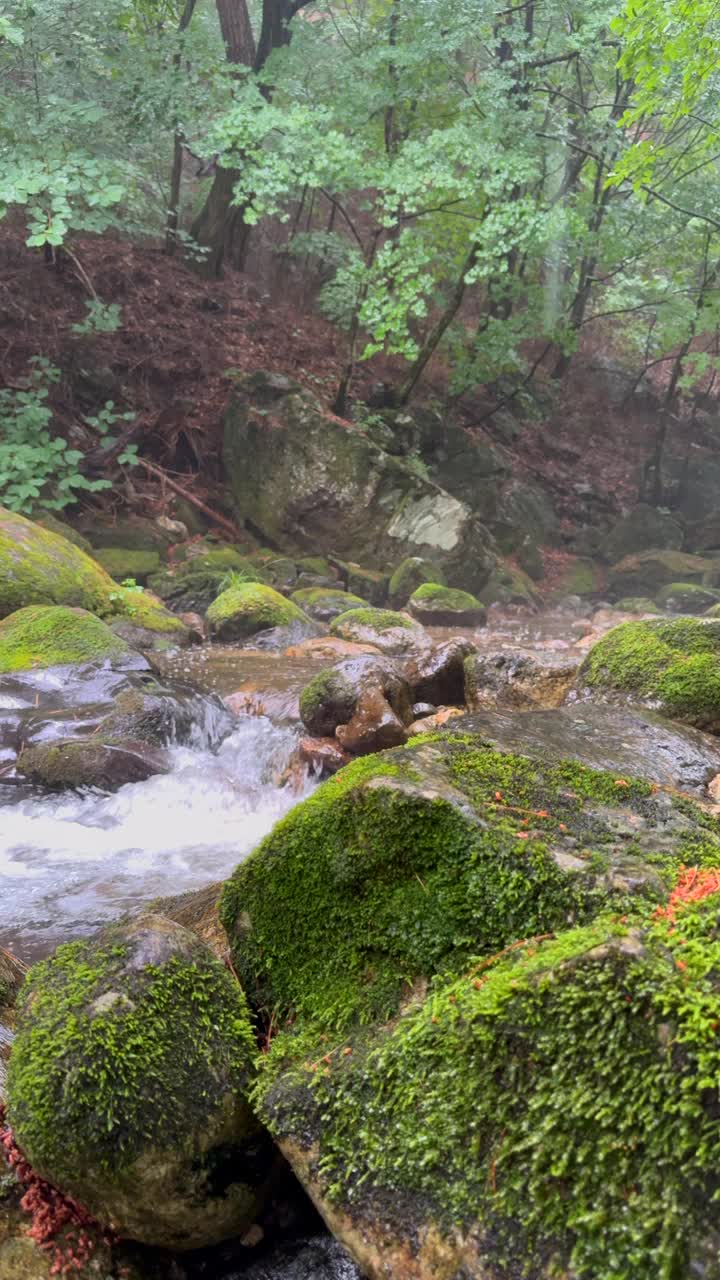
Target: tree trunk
438 331
171 224
220 227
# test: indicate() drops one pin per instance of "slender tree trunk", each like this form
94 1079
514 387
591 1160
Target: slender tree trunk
171 224
438 331
340 402
220 227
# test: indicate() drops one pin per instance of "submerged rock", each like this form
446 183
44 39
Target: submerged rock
128 1080
39 567
673 666
388 631
437 606
101 763
53 636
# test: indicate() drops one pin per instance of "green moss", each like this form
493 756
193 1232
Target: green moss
145 610
100 1083
47 520
49 636
674 664
317 565
325 603
636 604
227 559
405 864
381 620
556 1106
122 563
245 610
445 598
41 567
409 575
328 699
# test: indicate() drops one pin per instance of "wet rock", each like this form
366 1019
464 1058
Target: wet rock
38 567
324 604
446 607
282 706
636 604
54 636
509 585
687 597
409 575
137 533
515 680
243 612
148 625
317 483
368 583
673 666
127 1085
580 577
323 754
332 697
438 720
626 742
97 762
422 709
373 726
437 675
329 647
523 511
322 1258
390 632
644 528
648 572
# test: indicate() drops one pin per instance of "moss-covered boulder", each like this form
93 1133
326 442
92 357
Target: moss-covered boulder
146 623
244 611
409 575
438 606
312 483
687 597
644 528
224 558
510 585
47 520
122 563
390 632
105 763
331 698
580 576
326 603
645 574
38 566
673 666
548 1112
189 591
128 1081
371 584
636 604
53 636
413 861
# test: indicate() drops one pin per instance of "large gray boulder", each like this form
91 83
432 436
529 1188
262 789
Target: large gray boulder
304 479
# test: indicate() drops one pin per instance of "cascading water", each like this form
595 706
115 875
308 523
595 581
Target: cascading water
68 862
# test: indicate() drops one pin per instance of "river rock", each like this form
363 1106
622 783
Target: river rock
244 611
96 762
148 625
509 585
128 1081
388 631
673 666
438 606
306 479
38 567
123 563
423 856
516 680
373 726
439 1144
437 675
333 696
324 603
324 755
409 575
687 597
629 742
54 636
646 573
643 528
